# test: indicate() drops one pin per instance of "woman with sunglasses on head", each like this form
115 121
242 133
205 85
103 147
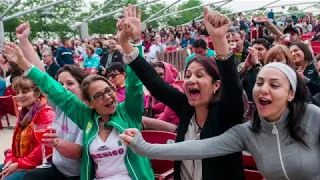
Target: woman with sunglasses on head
205 110
283 137
67 140
102 120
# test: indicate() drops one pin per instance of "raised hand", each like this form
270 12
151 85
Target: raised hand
23 31
261 19
13 52
216 24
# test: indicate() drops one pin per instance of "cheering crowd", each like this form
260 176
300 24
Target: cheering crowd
260 97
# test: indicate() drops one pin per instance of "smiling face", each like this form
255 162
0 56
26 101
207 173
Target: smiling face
272 93
198 85
298 55
27 92
70 83
103 97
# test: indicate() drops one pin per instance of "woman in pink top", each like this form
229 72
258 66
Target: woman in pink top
163 118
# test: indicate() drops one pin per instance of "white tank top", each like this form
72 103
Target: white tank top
109 157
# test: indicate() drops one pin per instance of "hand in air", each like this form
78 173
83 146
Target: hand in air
13 52
216 24
129 27
127 136
23 31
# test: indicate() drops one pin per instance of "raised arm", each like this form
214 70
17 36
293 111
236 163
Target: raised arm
130 27
69 103
227 143
23 32
231 109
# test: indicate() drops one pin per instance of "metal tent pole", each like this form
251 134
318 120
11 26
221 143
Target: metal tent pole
9 9
95 13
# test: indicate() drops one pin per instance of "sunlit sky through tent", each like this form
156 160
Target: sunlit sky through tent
242 5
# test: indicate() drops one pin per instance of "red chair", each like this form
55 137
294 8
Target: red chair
248 162
91 70
316 49
252 175
163 169
6 107
9 92
315 43
171 48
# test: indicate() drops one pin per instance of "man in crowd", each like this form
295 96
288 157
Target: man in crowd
51 65
187 41
111 56
157 46
64 53
252 65
200 49
240 46
172 41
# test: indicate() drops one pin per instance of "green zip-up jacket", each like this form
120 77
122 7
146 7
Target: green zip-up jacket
128 115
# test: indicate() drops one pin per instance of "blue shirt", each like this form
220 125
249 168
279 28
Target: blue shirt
270 15
64 56
2 86
93 62
186 43
210 53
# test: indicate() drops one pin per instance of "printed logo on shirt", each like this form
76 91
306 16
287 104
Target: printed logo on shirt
89 126
103 148
310 71
289 143
108 153
119 143
66 53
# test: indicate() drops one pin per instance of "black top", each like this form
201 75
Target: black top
223 114
314 83
52 69
116 57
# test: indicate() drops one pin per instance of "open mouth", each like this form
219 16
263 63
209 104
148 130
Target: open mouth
264 102
108 105
194 92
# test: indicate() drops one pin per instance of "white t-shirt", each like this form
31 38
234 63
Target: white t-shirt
109 157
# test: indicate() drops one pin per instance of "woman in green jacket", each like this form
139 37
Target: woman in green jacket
102 121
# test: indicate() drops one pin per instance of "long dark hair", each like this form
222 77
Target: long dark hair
297 108
304 48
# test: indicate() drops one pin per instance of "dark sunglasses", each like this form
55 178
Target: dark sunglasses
112 75
100 95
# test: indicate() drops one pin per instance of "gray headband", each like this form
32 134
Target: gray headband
288 71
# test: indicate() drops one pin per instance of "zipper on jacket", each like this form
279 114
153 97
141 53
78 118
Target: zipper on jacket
276 132
88 169
127 156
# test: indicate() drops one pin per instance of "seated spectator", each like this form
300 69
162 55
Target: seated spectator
116 73
237 40
306 69
172 41
200 49
111 56
195 34
157 46
318 63
25 153
13 71
146 44
2 81
279 53
92 60
156 109
64 53
316 27
187 41
98 45
51 66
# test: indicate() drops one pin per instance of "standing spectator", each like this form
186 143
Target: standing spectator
187 41
147 44
64 53
271 16
241 49
111 56
200 49
2 81
52 66
157 46
172 41
92 60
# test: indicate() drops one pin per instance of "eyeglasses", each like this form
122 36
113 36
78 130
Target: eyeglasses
112 75
100 95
